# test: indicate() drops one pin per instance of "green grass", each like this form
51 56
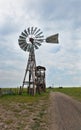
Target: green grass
75 92
24 108
37 105
24 98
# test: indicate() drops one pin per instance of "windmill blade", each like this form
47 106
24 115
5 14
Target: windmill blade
37 31
21 40
40 40
36 47
20 43
25 47
23 34
22 46
26 32
22 37
31 30
52 39
34 30
37 43
28 48
39 34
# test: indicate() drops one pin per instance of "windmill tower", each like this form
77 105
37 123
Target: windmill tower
29 40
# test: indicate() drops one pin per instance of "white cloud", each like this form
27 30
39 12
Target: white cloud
62 61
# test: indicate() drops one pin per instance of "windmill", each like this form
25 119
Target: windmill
29 40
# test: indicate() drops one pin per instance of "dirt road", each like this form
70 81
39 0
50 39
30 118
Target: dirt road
64 112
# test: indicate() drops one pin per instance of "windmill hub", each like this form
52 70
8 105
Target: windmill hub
31 40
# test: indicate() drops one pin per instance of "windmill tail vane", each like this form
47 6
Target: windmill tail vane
52 39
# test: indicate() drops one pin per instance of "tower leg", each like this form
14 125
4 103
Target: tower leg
30 70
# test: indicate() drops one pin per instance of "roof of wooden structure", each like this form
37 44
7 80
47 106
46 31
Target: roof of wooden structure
40 67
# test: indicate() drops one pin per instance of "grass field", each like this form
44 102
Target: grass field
25 112
75 92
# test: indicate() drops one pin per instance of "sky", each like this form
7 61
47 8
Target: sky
62 61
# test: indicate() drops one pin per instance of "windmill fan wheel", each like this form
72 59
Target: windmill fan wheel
30 38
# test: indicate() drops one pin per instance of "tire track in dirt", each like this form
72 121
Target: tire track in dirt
64 112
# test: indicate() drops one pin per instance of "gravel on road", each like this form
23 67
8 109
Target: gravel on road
64 112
